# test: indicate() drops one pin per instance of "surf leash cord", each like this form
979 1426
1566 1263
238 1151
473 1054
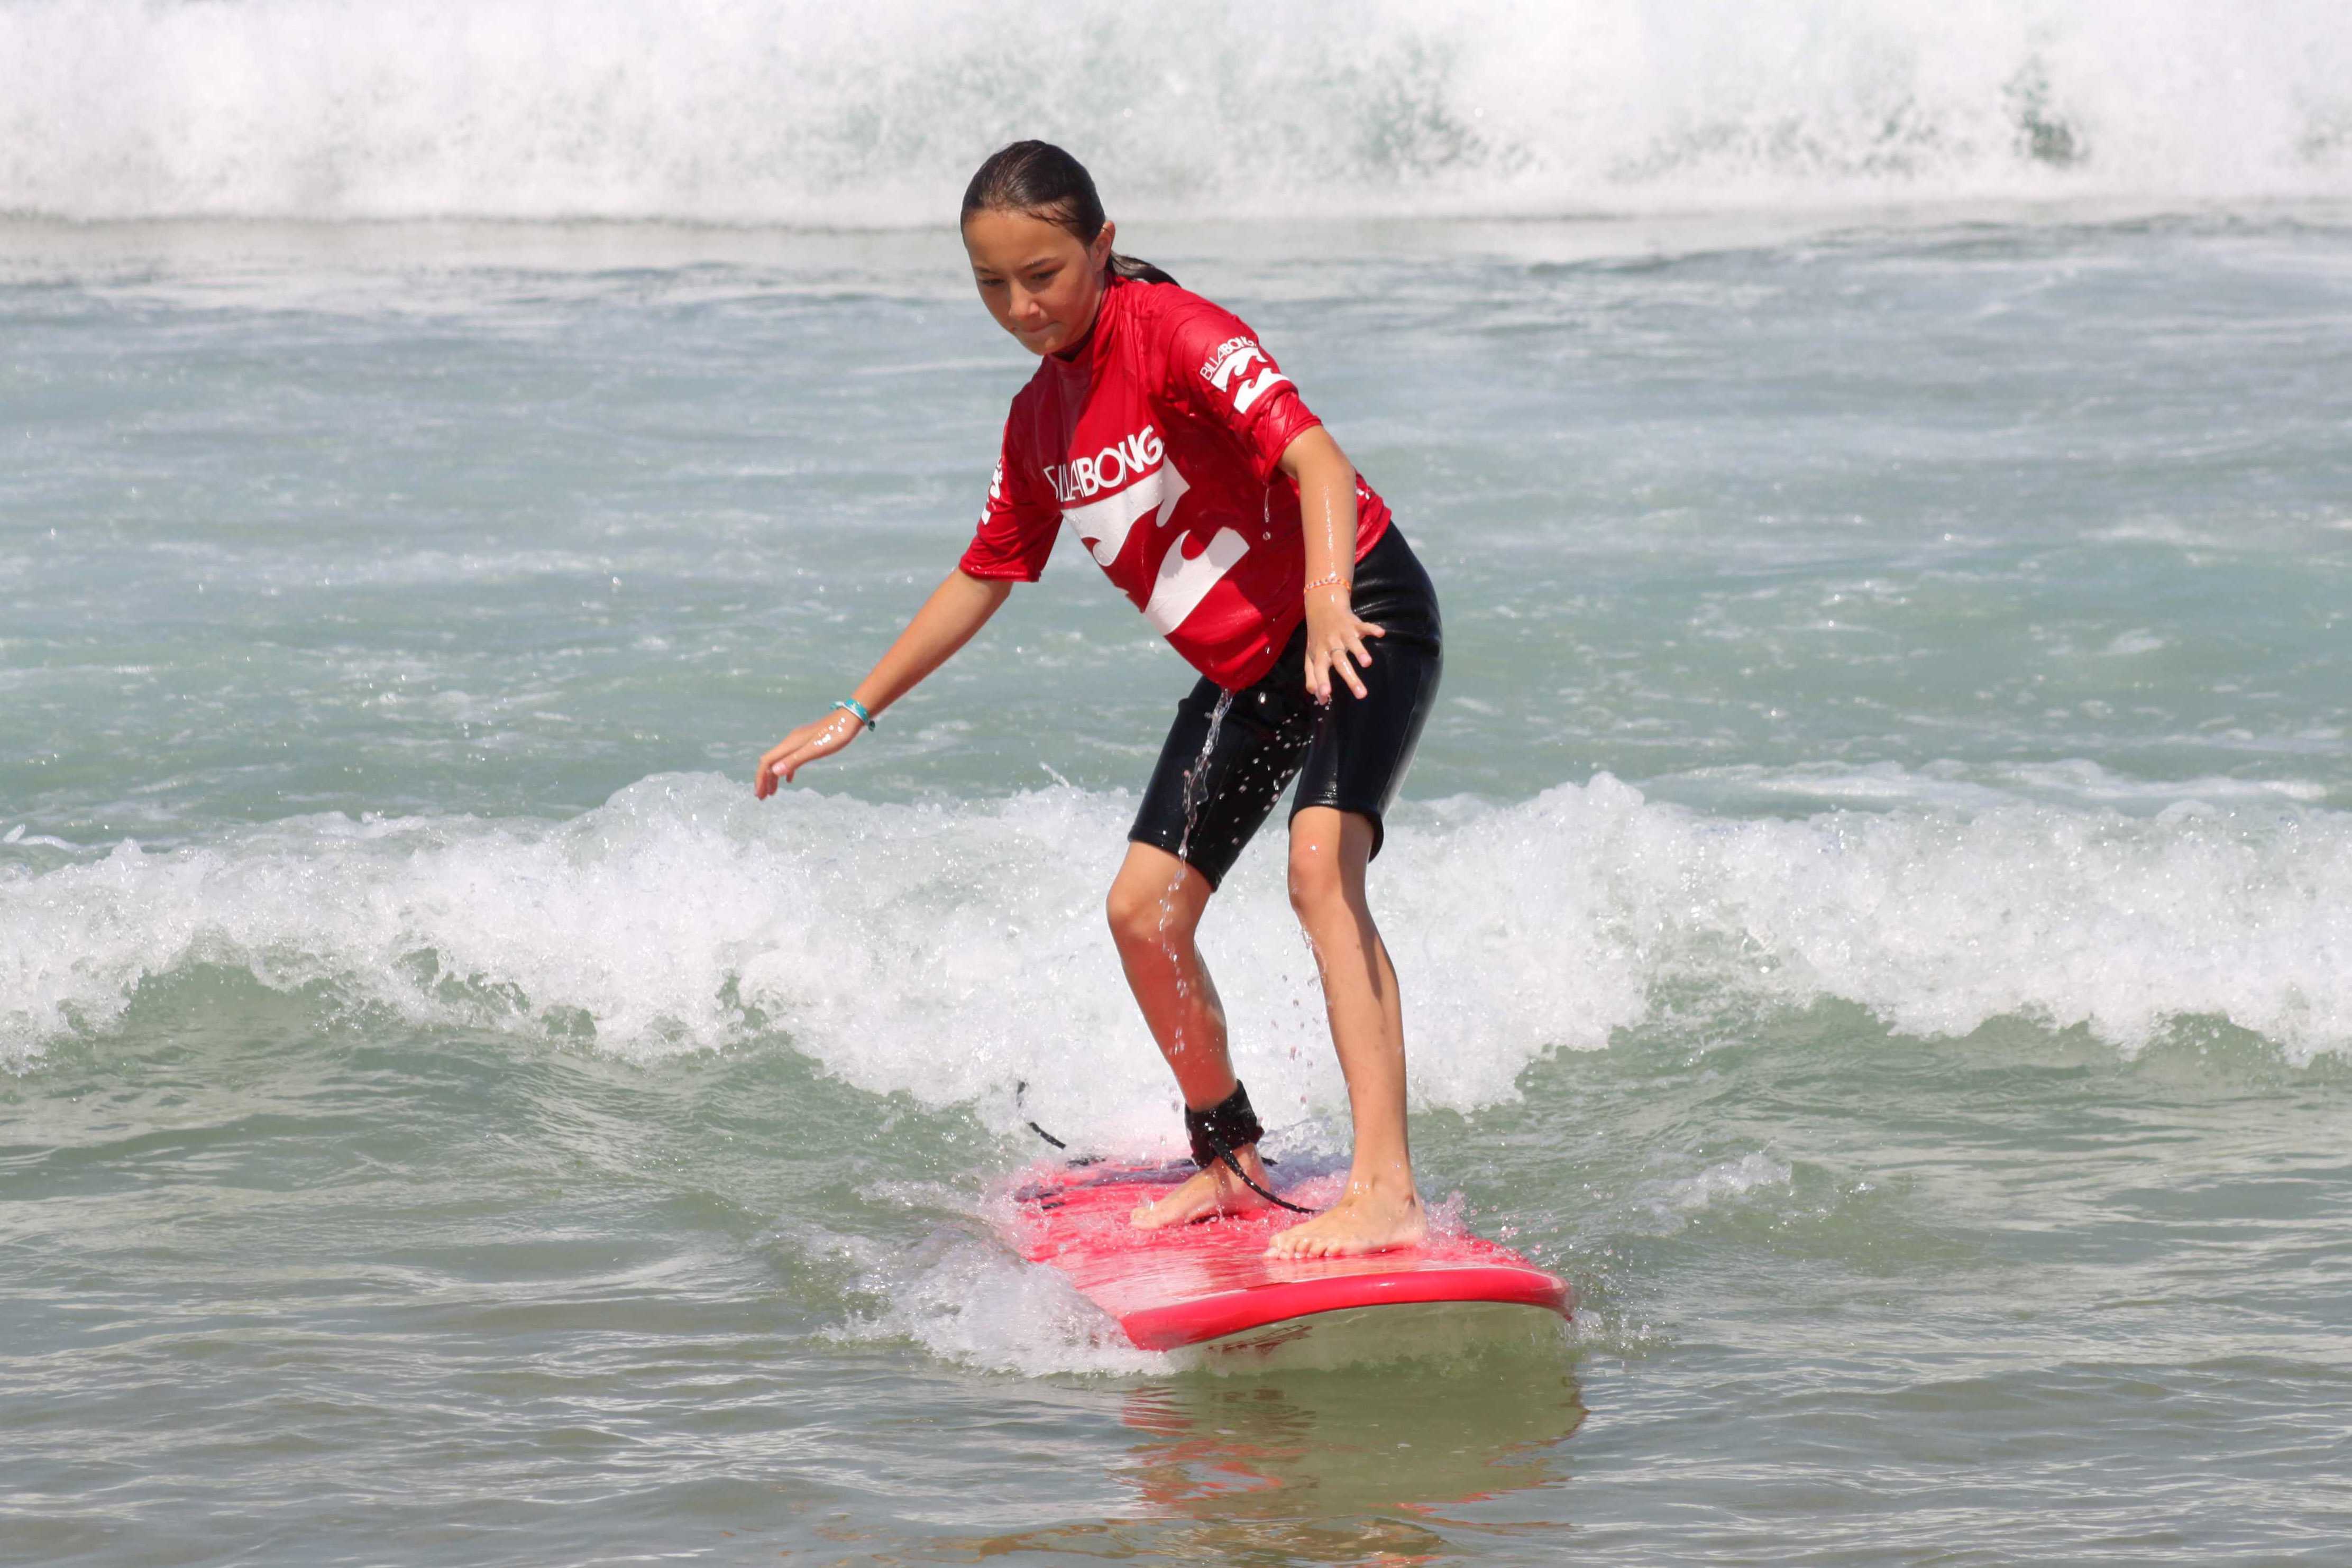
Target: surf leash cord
1224 1127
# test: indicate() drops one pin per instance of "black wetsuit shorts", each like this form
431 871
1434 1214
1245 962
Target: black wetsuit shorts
1226 762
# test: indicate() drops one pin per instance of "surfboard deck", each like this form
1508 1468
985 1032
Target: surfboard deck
1210 1282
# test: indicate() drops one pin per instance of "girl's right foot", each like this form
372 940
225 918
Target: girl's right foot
1371 1217
1215 1190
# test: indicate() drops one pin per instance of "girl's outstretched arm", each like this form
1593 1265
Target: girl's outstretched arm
956 609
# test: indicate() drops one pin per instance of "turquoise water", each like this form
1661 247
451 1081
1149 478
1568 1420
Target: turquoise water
1872 902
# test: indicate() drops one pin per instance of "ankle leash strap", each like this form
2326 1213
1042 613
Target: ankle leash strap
1224 1127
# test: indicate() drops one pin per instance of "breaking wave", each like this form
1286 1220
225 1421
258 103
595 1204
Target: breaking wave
796 112
952 951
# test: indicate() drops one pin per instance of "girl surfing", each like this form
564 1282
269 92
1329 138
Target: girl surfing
1160 430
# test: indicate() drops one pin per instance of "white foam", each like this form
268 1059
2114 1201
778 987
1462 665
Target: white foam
1976 788
2129 644
952 951
984 1308
796 111
1727 1180
969 1299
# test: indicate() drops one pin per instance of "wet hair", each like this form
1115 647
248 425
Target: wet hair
1040 180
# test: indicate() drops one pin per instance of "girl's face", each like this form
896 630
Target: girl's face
1039 281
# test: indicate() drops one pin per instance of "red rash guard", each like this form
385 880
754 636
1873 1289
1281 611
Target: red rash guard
1156 443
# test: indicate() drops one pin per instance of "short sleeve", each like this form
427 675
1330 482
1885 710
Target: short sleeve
1223 374
1017 525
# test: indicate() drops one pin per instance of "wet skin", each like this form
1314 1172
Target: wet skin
1155 908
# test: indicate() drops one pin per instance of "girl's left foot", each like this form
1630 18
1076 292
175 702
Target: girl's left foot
1215 1190
1372 1216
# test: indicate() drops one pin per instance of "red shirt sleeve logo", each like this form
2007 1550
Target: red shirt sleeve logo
1226 370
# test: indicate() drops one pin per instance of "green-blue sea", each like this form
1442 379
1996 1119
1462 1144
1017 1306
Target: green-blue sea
1874 904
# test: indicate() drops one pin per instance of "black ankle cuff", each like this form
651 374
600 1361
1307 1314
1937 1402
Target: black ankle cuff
1227 1127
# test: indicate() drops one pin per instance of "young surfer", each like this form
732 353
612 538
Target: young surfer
1160 430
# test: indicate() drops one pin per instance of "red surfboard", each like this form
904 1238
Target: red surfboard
1191 1284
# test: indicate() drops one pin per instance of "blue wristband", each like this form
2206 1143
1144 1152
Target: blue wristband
857 710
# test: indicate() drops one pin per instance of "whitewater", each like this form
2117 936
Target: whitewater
1873 904
680 916
767 111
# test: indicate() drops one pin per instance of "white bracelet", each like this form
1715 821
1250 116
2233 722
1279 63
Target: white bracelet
1334 580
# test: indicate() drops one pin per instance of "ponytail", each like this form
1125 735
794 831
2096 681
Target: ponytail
1141 271
1040 180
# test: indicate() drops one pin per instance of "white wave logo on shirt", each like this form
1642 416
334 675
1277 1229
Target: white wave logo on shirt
1223 370
995 492
1151 487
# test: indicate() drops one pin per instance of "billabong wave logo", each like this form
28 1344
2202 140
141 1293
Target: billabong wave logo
1154 488
995 490
1184 581
1223 370
1154 485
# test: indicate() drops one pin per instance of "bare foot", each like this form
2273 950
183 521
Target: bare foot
1215 1190
1373 1216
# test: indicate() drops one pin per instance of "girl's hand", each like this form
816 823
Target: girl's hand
1334 636
803 747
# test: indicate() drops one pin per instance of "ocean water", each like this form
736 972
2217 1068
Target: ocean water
1874 904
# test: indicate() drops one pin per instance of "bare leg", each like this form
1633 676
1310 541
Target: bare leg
1155 906
1380 1208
